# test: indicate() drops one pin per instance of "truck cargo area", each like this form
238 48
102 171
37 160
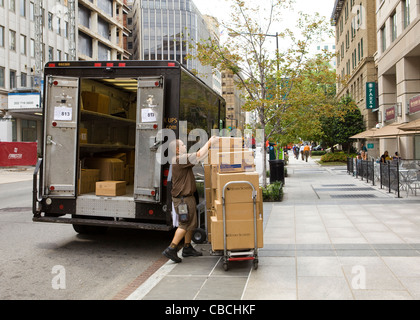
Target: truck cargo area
107 136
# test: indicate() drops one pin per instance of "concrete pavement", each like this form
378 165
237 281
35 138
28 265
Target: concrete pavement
332 237
16 174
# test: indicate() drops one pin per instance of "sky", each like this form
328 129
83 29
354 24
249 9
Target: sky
220 9
216 7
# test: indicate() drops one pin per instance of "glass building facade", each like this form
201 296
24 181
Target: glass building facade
165 30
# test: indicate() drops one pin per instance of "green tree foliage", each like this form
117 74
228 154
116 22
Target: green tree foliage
286 88
338 129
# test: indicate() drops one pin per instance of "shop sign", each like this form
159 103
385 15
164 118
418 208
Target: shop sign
370 95
390 113
415 104
23 100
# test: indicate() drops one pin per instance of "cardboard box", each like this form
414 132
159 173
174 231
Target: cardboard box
238 210
83 135
209 200
110 168
239 234
110 188
236 192
87 181
228 144
96 102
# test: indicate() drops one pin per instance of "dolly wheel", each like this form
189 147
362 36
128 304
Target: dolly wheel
225 266
255 264
199 236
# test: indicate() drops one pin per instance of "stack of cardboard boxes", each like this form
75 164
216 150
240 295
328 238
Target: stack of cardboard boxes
229 162
107 176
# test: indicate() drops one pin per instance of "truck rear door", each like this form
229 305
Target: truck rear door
60 139
147 178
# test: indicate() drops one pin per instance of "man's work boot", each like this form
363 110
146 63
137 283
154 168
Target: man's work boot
189 251
171 254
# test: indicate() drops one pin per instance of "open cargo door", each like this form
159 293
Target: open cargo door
60 143
147 178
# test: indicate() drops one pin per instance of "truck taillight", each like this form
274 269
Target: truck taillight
97 64
51 65
52 188
121 64
109 64
171 64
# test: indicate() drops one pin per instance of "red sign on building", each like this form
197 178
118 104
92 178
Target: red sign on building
390 114
18 154
415 104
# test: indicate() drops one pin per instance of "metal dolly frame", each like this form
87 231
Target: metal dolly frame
252 253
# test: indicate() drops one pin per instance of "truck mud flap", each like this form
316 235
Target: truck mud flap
104 223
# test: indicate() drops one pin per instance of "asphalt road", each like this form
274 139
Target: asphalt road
52 261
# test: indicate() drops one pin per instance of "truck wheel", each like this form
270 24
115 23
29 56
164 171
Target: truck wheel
82 229
199 236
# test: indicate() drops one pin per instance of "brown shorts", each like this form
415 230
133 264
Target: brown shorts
191 224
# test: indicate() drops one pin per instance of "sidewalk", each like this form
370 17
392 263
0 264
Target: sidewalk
16 174
332 237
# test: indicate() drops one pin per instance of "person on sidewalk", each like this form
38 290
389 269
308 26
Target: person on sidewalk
302 152
183 189
306 150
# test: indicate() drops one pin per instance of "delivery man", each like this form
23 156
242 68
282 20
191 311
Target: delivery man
183 188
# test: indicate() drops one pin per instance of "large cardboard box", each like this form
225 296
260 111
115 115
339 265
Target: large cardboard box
239 234
110 188
236 192
238 210
87 181
228 144
96 102
110 168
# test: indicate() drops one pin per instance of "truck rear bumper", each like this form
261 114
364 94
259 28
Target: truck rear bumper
104 223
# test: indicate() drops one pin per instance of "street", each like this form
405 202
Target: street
51 261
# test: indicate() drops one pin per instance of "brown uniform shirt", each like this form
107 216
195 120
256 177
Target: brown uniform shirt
183 181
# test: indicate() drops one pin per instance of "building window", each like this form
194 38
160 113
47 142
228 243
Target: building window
1 36
12 5
23 8
50 53
32 48
22 44
393 27
12 78
383 38
406 10
50 21
23 80
28 130
12 36
58 26
1 77
361 48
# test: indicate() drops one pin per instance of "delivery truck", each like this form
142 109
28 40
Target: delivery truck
102 138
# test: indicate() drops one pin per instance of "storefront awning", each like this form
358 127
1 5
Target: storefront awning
389 131
365 134
411 126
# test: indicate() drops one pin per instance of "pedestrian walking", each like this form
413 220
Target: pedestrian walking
184 202
306 150
302 151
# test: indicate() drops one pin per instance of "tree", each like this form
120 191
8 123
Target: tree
338 129
273 82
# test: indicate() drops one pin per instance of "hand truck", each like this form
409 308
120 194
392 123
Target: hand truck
252 253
